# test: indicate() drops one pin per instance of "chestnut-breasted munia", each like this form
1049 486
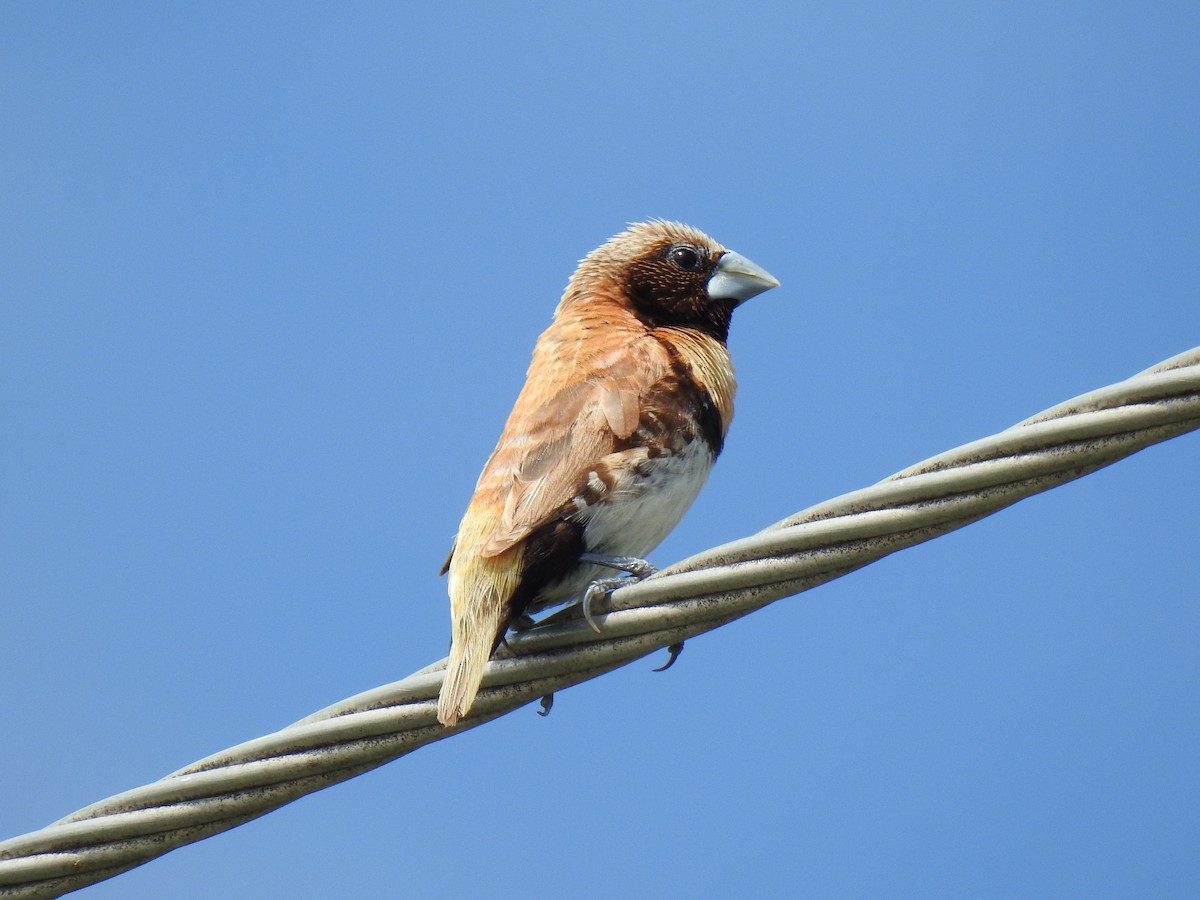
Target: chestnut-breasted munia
625 407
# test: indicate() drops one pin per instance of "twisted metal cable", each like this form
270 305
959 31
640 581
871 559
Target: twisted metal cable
691 597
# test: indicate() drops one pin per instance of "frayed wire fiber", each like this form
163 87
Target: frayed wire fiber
686 599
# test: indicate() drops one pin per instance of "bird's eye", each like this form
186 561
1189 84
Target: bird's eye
687 258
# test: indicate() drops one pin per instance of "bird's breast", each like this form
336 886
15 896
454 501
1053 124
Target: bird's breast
628 506
629 509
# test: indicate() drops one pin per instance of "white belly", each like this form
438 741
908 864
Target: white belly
645 503
645 507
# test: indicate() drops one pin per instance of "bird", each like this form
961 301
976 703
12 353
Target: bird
625 407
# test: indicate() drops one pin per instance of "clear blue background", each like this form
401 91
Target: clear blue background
270 278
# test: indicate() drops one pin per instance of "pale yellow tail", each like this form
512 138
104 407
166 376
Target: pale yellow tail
468 656
480 588
479 591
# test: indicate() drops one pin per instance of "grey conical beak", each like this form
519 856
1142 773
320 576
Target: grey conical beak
737 278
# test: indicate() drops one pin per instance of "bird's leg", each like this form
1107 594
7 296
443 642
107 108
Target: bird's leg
634 565
637 569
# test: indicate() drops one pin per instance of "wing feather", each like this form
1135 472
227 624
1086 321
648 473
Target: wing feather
561 426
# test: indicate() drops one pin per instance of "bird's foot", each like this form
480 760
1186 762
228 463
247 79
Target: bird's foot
602 587
547 702
634 565
522 623
674 650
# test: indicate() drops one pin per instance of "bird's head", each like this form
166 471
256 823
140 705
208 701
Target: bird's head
671 274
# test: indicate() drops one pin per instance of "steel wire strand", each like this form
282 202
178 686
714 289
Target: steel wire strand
695 595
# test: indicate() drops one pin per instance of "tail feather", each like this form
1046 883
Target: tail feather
464 674
480 589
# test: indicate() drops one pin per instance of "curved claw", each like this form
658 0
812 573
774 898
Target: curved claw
599 588
547 702
674 650
590 594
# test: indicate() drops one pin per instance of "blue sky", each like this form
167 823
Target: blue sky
271 278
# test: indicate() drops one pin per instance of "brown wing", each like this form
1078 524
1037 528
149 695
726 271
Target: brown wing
582 397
